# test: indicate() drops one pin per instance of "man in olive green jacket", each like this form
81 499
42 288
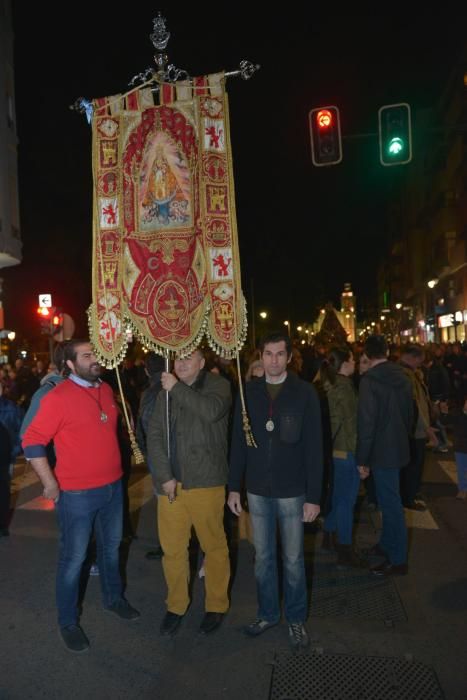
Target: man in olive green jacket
189 470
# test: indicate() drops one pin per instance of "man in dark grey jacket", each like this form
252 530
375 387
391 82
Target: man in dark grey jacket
190 473
385 422
283 480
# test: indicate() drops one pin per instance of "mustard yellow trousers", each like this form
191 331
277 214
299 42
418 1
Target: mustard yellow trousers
204 510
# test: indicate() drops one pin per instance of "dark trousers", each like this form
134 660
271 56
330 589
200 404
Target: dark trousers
411 475
394 531
370 489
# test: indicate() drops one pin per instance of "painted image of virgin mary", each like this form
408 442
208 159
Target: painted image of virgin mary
165 187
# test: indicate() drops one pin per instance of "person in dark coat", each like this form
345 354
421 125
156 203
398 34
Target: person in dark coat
439 389
283 476
384 423
154 366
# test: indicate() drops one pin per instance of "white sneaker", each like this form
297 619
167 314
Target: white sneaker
298 636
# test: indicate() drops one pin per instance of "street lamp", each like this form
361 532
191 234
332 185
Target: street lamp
287 323
432 283
263 314
398 306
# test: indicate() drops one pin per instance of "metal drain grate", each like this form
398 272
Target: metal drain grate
334 676
354 594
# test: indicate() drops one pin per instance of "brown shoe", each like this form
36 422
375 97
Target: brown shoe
388 569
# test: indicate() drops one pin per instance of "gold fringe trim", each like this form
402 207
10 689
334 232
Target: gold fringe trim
240 336
203 333
117 357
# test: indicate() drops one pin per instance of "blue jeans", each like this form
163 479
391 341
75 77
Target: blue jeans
265 513
344 494
78 513
394 533
461 464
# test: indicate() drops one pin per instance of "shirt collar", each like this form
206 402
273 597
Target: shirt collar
84 382
281 380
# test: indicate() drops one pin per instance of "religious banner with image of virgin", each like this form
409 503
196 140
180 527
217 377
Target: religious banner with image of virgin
165 248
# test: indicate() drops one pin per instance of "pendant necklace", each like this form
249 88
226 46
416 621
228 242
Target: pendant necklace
103 415
270 422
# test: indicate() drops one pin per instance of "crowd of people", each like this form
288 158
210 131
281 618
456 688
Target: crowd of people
293 441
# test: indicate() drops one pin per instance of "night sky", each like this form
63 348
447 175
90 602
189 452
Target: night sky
303 231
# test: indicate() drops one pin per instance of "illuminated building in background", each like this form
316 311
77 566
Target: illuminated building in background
347 315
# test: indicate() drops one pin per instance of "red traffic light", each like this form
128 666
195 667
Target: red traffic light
325 135
43 311
324 119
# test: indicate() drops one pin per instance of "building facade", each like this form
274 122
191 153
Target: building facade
424 278
10 232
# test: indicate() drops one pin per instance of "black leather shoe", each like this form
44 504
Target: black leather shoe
154 553
388 569
122 609
211 621
170 624
74 639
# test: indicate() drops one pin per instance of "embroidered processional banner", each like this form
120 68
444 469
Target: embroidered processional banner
165 248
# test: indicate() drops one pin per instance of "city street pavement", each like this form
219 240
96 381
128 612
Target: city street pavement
399 638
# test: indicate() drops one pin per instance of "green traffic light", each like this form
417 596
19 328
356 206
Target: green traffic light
396 145
395 134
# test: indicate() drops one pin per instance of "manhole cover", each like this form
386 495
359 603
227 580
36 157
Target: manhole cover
345 677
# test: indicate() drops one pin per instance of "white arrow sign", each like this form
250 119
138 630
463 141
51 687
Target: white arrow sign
45 300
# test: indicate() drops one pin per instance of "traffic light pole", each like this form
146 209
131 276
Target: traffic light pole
51 349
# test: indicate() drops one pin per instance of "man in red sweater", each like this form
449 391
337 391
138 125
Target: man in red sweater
80 416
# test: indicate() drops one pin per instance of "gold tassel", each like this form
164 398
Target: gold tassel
137 454
250 440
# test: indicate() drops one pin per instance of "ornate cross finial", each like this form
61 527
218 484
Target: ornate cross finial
164 72
160 36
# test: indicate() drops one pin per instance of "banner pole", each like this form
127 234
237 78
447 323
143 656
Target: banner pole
167 411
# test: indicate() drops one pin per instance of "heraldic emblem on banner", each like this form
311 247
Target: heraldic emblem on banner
165 248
